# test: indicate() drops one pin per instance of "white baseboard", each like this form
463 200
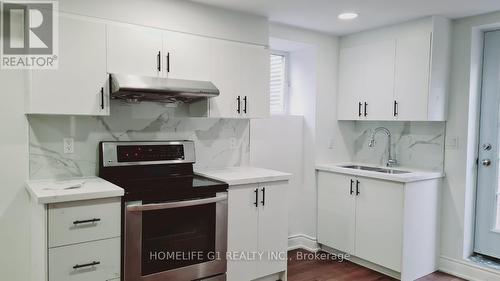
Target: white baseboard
302 241
467 270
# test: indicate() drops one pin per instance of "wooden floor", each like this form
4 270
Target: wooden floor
331 270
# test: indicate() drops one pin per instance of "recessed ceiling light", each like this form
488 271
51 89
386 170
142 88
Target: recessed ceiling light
348 16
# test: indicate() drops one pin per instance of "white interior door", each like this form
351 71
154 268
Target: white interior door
487 238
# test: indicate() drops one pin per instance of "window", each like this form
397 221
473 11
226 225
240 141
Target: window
278 83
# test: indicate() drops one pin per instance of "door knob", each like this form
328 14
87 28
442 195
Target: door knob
486 162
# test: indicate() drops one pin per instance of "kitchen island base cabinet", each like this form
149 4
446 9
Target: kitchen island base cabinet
395 223
257 231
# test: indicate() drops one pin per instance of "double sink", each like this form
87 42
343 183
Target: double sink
374 169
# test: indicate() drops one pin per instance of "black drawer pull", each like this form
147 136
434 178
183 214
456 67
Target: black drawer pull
94 263
359 109
395 108
366 109
86 221
256 203
245 104
102 97
238 108
357 187
350 190
263 196
158 63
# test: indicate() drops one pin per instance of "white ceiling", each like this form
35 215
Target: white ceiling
321 15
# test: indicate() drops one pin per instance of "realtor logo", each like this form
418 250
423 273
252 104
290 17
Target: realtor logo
29 35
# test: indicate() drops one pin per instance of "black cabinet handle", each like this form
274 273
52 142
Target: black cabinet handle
359 109
245 104
238 108
263 196
94 263
86 221
350 190
395 108
366 111
168 62
102 97
256 197
357 187
158 63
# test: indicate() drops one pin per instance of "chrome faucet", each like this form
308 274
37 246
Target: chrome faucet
391 162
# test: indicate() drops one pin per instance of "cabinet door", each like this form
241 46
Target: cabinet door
255 68
377 77
350 89
379 222
336 211
412 77
242 232
273 228
134 50
78 86
186 56
367 76
225 75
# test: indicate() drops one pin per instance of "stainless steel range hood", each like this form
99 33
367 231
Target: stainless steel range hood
132 88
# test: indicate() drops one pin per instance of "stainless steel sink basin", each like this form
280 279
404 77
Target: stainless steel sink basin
374 169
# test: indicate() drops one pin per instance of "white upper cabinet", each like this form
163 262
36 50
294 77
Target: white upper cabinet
367 81
395 73
225 69
241 72
412 78
134 50
186 56
79 85
255 74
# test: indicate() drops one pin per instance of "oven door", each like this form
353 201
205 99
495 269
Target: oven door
183 240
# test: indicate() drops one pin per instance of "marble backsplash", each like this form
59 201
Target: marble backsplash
219 142
415 144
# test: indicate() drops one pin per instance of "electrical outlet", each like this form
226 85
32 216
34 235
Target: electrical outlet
68 145
234 143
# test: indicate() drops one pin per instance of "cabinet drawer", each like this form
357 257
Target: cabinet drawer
68 263
83 221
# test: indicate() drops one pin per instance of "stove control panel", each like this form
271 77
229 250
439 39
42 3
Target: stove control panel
147 153
139 153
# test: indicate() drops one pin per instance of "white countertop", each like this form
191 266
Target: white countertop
51 191
243 175
414 175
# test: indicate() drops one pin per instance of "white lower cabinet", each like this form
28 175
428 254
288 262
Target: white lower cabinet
98 260
77 240
257 230
390 224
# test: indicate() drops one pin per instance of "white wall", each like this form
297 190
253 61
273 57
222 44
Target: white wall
459 186
14 222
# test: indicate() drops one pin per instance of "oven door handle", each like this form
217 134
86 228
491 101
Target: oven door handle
177 204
